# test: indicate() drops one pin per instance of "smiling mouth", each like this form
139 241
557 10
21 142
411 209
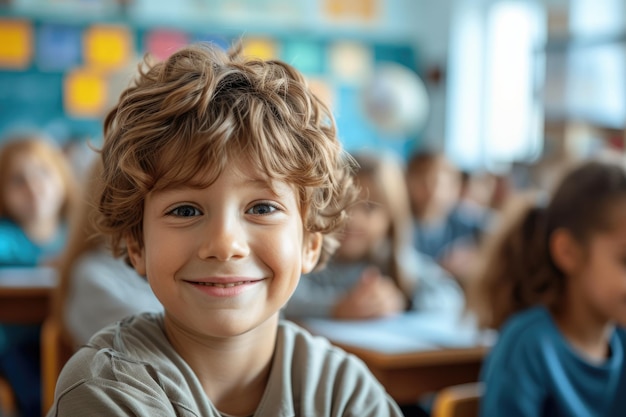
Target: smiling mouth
228 285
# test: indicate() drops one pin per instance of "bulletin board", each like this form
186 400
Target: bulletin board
63 75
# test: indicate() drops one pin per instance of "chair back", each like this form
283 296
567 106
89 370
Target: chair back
458 400
7 399
55 352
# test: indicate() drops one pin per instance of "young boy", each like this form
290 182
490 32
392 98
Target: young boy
224 182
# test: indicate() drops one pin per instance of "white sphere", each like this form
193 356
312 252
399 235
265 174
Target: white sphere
396 100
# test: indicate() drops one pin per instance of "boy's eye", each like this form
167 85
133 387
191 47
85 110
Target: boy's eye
185 211
262 209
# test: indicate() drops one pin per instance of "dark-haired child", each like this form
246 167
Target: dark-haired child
554 284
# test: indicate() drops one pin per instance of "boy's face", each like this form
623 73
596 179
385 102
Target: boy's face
224 259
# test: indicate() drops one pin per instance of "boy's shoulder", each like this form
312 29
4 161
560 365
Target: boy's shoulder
134 343
132 334
319 378
295 340
137 341
140 337
308 375
129 364
299 352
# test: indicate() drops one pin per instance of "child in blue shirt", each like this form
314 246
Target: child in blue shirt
446 227
554 284
36 196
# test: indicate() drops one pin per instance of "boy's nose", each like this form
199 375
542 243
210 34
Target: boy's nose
224 239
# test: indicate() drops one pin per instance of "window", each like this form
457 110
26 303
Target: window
495 115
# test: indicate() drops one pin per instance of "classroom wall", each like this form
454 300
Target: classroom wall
63 63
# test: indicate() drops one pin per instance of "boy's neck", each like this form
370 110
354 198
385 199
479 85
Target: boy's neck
233 371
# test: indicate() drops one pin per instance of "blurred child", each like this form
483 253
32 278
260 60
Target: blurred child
225 181
36 195
554 284
376 271
96 289
443 224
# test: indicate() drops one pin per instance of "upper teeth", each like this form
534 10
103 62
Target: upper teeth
215 284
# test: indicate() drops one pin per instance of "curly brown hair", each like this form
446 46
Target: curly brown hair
184 119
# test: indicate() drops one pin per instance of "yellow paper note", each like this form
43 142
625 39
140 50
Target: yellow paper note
107 47
260 48
85 93
16 44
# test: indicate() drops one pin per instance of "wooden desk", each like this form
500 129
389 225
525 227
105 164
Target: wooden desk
25 294
408 376
412 354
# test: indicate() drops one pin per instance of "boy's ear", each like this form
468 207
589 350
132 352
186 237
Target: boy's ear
567 253
137 255
311 251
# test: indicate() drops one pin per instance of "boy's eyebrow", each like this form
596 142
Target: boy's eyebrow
279 188
263 184
254 181
258 183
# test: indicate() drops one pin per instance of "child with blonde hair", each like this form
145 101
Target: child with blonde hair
376 271
224 181
554 284
37 193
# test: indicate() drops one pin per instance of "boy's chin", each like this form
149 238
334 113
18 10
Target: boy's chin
229 326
